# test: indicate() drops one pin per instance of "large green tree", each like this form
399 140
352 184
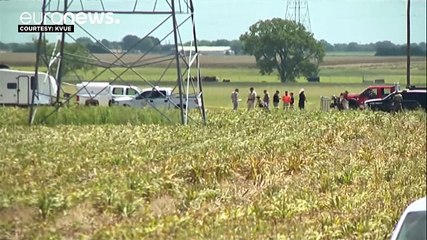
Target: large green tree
285 46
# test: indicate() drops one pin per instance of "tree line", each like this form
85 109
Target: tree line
129 43
381 48
135 44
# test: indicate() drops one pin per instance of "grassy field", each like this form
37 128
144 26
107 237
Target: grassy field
230 61
336 69
243 68
299 175
218 95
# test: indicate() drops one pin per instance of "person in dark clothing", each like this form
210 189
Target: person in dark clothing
292 101
266 100
302 99
276 100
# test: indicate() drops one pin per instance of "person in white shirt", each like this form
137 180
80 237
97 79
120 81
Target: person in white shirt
251 98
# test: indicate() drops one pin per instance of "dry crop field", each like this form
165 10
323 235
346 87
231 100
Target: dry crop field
294 175
124 174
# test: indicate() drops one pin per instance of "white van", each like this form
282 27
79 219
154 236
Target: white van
102 93
16 88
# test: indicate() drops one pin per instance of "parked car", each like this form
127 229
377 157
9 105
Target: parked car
158 97
412 99
412 224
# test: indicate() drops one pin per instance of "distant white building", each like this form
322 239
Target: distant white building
209 50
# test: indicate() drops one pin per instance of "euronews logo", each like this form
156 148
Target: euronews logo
60 22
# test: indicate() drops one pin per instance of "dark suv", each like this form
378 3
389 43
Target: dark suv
412 99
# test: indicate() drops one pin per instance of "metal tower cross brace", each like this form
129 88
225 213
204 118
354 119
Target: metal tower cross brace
297 10
177 16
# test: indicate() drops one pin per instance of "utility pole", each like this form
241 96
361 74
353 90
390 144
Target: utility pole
408 44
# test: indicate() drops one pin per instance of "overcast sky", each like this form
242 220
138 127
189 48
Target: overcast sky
336 21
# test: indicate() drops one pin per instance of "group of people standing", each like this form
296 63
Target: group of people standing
253 99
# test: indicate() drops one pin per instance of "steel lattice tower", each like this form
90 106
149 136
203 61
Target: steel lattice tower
174 26
297 10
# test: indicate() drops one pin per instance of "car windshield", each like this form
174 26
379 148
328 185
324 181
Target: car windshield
413 227
389 96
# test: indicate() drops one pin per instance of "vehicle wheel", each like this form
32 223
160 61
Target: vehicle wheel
4 66
178 106
353 105
92 102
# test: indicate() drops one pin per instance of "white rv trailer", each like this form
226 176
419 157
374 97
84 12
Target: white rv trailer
16 88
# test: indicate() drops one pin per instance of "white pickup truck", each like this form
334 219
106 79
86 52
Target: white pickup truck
158 97
102 93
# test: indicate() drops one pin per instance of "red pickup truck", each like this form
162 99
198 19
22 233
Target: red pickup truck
357 100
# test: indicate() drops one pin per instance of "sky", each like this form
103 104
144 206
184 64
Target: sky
336 21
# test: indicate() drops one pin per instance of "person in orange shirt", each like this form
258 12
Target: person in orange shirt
286 101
